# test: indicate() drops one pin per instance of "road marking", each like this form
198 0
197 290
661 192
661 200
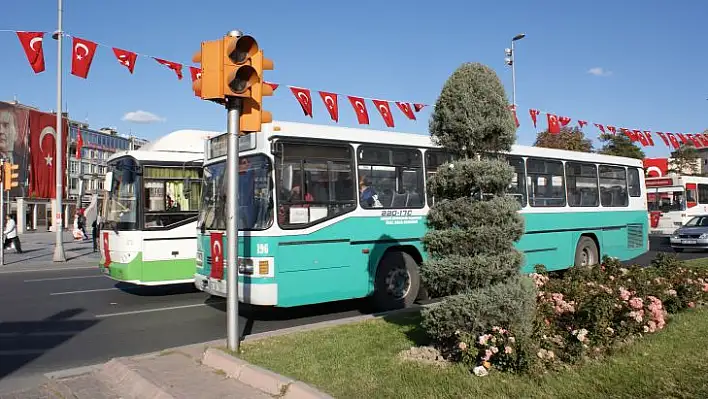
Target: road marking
84 291
34 280
46 269
195 305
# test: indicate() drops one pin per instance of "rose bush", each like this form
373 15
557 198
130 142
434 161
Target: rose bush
584 312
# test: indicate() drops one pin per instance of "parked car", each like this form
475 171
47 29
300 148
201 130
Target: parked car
693 234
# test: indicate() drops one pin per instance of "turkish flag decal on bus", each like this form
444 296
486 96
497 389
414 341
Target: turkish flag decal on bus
217 256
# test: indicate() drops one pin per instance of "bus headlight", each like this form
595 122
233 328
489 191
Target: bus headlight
675 234
703 236
245 266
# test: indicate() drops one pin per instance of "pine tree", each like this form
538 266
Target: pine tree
620 145
471 236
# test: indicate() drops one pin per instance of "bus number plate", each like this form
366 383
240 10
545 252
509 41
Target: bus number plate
217 286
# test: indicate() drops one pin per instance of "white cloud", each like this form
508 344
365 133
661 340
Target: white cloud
599 71
142 117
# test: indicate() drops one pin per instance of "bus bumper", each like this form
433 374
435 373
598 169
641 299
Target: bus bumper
254 294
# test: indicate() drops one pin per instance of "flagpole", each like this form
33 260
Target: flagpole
59 255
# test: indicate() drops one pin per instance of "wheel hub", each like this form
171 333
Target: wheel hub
398 282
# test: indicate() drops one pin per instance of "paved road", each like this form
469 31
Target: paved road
56 316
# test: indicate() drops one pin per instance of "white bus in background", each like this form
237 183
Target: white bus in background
150 213
673 200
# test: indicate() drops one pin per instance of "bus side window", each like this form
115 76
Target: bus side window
703 193
635 189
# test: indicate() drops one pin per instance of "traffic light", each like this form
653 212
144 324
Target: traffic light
9 177
209 85
243 71
233 67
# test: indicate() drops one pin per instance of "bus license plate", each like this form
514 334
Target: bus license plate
217 286
688 241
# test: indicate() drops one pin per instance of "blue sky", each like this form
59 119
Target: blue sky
654 52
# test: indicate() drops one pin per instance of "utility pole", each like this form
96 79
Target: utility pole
510 60
59 255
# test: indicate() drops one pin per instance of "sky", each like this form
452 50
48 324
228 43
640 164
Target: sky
639 64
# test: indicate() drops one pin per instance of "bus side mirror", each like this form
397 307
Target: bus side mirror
288 178
108 182
187 187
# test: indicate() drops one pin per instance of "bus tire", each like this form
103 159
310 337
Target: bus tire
397 281
586 253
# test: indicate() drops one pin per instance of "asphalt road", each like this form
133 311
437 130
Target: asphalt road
72 316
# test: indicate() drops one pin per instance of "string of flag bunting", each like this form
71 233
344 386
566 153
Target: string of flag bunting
639 136
83 52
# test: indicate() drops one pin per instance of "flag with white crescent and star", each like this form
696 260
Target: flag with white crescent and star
304 98
126 58
82 56
553 124
42 143
362 115
385 111
406 109
175 66
330 101
32 44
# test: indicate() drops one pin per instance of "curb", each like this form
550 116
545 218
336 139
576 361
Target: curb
258 377
121 378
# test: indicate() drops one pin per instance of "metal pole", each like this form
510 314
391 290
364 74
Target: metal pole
233 107
59 255
513 74
2 216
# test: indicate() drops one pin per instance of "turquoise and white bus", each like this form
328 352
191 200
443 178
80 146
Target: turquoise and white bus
148 217
306 237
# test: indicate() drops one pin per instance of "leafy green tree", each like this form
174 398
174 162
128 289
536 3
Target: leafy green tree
620 145
473 225
684 160
572 139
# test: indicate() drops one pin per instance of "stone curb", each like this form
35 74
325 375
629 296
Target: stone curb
258 377
126 381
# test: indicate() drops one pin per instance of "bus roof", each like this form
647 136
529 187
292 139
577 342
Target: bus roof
186 145
357 135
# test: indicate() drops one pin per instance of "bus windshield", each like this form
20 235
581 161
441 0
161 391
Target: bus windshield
255 195
121 206
666 199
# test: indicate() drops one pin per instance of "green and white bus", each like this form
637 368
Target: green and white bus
150 210
311 232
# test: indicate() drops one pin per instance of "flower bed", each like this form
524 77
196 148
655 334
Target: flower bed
588 311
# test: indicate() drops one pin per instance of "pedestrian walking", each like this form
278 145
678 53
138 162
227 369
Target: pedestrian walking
10 238
94 233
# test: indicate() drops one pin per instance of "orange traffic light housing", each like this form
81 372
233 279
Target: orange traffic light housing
9 178
209 85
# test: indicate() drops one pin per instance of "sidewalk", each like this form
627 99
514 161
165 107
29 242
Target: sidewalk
38 251
197 371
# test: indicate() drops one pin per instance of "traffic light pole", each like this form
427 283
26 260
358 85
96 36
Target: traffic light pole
233 107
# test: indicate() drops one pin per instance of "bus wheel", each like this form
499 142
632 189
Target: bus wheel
397 281
586 253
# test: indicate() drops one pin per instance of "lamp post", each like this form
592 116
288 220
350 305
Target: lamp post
59 255
510 61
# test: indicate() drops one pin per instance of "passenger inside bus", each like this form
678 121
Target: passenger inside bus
367 194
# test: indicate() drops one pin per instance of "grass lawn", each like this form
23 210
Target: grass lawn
361 361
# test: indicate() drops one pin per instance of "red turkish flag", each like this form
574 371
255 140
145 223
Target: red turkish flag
649 138
126 58
42 142
534 113
601 127
304 98
564 120
175 66
694 140
32 44
79 143
406 109
682 137
664 138
702 138
581 124
418 107
642 138
513 110
674 142
612 129
362 115
385 111
553 124
330 101
217 256
82 56
632 136
272 85
195 72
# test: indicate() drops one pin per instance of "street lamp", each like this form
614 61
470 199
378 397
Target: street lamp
510 61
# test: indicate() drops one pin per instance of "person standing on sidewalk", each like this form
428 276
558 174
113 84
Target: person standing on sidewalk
10 235
94 233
